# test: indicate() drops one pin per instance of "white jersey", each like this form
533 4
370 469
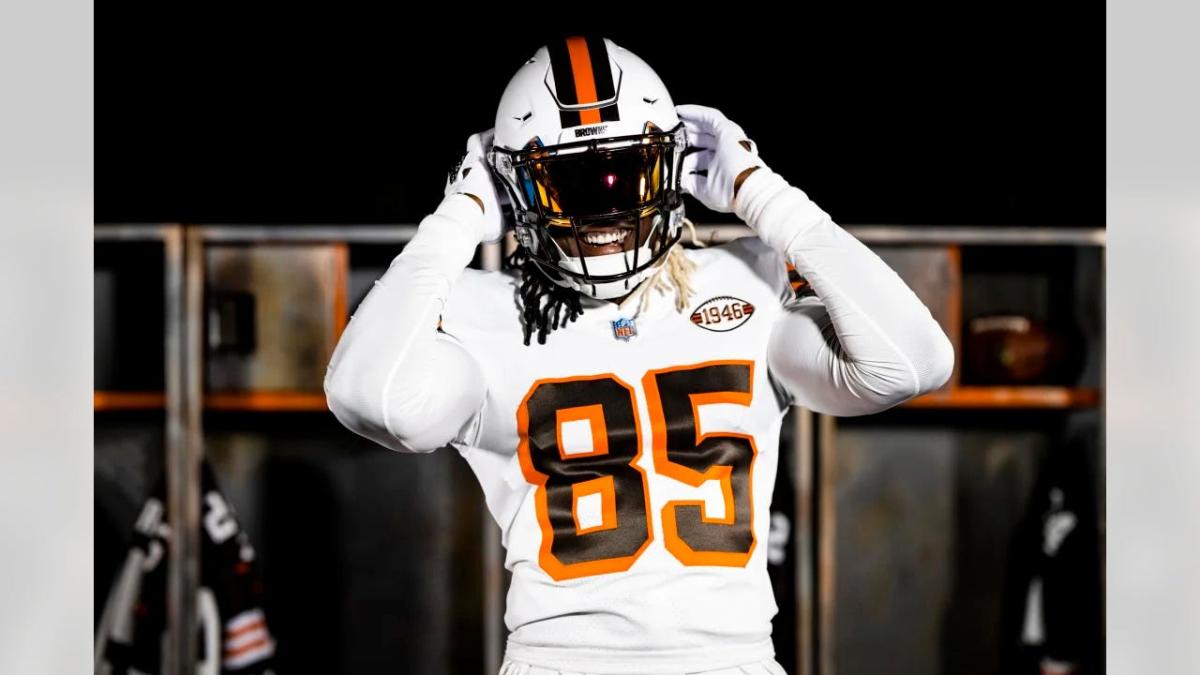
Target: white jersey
630 463
630 460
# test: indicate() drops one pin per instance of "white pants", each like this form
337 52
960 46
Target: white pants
765 667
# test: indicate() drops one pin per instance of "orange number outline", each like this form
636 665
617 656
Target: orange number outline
558 570
723 473
604 486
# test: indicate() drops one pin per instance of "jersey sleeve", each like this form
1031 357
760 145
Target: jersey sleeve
853 338
395 377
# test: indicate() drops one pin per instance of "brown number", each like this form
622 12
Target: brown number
682 452
570 549
609 469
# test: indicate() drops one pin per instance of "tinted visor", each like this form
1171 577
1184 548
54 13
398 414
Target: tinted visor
595 183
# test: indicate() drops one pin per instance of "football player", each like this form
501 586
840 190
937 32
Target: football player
619 396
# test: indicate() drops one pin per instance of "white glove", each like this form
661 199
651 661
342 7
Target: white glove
718 152
473 177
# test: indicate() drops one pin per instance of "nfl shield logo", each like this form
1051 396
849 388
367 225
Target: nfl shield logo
623 329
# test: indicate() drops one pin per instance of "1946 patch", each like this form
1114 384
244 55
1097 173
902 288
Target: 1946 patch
722 313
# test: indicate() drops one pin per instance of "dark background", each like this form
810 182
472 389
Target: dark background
906 115
980 114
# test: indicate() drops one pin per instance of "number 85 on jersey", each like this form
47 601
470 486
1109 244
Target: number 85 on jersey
608 405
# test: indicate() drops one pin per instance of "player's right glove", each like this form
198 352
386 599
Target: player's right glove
472 177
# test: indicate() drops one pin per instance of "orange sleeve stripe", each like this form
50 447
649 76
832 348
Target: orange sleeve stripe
247 628
249 646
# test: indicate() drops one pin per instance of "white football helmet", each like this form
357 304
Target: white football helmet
589 147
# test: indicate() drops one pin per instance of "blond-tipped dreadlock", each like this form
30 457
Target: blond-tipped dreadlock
675 273
544 302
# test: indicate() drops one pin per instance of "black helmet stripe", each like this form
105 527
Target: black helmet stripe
601 70
564 79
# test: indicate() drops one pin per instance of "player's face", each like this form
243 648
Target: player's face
602 238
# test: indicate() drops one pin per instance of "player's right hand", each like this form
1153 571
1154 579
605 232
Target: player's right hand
473 177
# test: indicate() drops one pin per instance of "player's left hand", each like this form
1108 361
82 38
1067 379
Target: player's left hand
718 158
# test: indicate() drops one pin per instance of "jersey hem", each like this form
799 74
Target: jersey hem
656 662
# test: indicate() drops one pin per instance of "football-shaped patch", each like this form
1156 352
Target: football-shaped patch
722 313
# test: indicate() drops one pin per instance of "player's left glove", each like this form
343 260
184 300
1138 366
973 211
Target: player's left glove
718 158
723 170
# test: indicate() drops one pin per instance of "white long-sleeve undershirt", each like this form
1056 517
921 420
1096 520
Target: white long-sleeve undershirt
394 378
864 343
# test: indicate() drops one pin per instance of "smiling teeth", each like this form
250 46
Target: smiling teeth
601 238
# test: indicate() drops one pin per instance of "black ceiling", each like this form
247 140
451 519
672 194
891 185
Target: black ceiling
976 115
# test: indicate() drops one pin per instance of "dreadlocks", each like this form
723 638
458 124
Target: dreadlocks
542 301
535 288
